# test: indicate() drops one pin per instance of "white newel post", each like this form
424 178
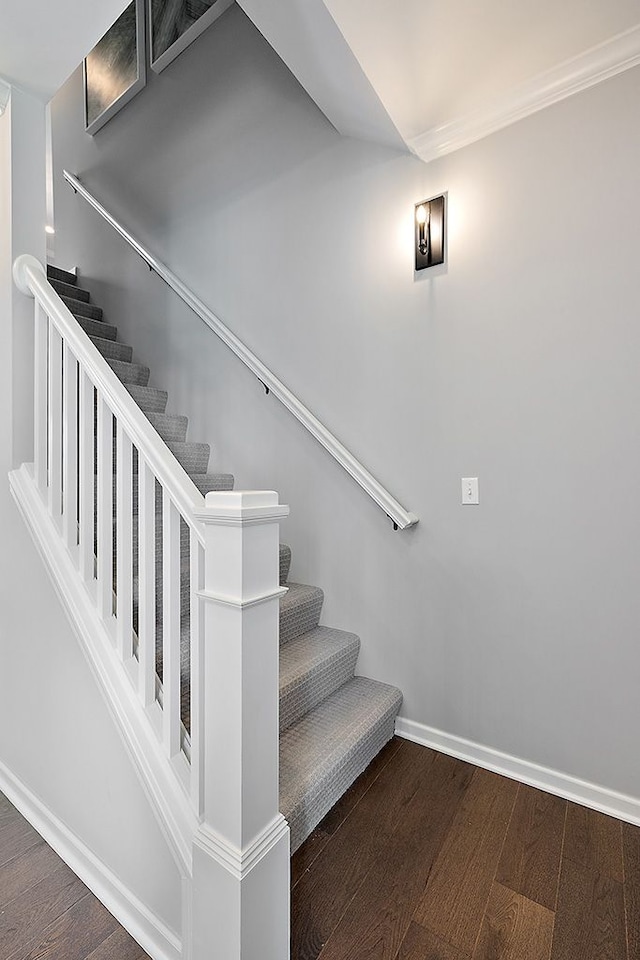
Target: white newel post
240 903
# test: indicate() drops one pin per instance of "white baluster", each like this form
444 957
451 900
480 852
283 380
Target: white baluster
170 625
40 417
196 573
55 423
241 850
124 547
146 582
70 452
105 511
87 479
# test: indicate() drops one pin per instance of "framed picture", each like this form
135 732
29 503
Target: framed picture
174 24
115 70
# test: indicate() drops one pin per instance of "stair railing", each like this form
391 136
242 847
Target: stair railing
400 517
106 493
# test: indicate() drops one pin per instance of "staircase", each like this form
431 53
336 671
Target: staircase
332 723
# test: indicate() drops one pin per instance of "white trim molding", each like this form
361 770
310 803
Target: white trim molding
599 63
591 795
240 862
144 926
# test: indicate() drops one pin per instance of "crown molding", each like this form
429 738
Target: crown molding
599 63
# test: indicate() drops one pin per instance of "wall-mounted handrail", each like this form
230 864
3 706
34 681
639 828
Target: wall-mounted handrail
400 517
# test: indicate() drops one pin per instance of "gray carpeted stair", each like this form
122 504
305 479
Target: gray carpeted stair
82 308
332 723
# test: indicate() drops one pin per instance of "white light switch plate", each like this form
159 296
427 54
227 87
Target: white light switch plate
470 490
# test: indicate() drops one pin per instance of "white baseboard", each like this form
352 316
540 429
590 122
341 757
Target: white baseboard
563 785
143 925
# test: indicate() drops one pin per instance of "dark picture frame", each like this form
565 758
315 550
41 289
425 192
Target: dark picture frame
115 70
174 24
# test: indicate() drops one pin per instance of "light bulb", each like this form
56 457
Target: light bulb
421 214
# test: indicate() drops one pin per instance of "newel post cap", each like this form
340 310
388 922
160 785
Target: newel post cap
20 267
242 505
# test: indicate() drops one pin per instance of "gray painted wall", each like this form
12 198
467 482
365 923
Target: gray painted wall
513 623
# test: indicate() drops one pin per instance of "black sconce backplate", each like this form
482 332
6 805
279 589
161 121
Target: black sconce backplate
432 234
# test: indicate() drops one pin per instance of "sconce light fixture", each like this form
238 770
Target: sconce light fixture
429 224
5 93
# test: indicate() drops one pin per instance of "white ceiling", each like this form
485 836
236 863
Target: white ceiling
43 41
432 62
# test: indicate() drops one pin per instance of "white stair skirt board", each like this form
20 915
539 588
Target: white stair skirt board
147 929
560 784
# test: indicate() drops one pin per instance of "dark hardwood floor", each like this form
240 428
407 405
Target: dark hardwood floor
46 913
424 858
430 858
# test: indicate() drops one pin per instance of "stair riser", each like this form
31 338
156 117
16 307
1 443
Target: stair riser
210 482
98 328
285 562
111 350
81 309
148 399
316 687
133 373
300 619
70 290
192 457
55 273
171 429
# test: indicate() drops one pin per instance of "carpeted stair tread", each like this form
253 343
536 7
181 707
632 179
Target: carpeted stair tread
98 328
70 290
300 610
193 457
112 350
149 399
312 667
171 428
130 372
285 562
79 308
323 753
208 482
57 273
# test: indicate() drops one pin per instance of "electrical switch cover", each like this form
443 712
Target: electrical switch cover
470 490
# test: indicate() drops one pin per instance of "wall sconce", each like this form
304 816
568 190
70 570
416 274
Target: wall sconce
5 93
429 223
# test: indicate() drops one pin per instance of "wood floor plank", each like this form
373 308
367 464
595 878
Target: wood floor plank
631 856
590 922
325 890
379 916
22 873
316 842
24 917
76 933
514 928
530 861
16 837
594 841
118 946
339 813
456 896
421 944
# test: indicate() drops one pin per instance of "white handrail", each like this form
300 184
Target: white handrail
395 511
30 278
